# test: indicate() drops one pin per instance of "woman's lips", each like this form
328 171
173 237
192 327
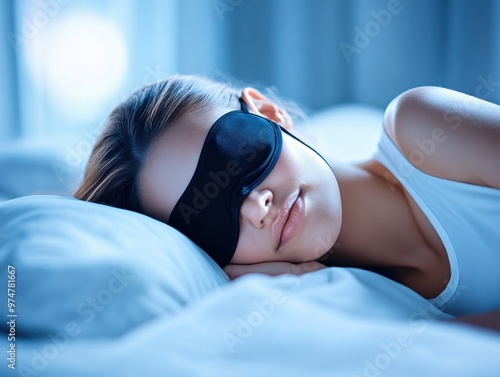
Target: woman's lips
289 220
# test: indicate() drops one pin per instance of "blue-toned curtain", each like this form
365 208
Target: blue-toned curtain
316 52
9 97
322 52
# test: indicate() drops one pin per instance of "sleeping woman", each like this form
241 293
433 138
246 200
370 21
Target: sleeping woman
223 166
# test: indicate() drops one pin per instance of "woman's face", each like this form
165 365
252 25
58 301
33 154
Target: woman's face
294 215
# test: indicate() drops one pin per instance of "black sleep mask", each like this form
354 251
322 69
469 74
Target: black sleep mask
239 152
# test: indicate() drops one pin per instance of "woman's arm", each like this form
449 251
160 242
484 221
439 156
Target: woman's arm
447 134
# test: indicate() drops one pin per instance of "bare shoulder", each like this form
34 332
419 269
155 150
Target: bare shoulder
447 134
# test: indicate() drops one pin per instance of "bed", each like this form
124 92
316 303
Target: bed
100 291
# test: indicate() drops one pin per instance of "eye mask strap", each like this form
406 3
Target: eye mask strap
244 108
307 145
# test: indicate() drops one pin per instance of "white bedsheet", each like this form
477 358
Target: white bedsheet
335 322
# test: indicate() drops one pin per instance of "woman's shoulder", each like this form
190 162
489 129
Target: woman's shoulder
447 134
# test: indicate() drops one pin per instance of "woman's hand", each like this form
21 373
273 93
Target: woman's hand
271 268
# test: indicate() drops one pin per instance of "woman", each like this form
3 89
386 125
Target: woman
221 165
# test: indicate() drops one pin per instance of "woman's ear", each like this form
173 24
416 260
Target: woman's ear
261 105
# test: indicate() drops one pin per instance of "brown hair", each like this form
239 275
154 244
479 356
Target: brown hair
116 161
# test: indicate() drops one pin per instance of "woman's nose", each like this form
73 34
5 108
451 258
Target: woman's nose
255 207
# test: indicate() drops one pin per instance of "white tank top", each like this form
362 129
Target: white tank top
467 218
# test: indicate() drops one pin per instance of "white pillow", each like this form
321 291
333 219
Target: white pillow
39 167
346 132
96 268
